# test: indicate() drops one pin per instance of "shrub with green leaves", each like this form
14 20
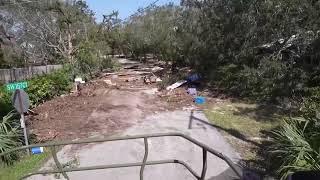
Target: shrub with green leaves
296 147
43 88
10 137
5 101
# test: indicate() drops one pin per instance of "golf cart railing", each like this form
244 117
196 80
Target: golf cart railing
63 171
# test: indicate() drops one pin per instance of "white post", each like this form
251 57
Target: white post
23 125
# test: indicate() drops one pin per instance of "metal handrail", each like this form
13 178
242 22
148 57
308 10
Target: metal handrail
142 164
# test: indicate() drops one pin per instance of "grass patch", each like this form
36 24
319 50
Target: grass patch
245 126
248 119
23 167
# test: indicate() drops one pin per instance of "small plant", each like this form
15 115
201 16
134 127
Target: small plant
10 136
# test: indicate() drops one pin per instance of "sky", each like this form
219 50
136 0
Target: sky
125 7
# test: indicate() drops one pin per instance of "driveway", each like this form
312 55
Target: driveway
161 148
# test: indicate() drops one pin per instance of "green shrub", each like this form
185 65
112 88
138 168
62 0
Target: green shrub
43 88
5 101
311 104
40 89
87 59
61 82
10 137
109 63
296 146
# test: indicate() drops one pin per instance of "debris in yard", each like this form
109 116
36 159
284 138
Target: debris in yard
192 91
176 98
114 76
130 79
151 91
132 67
194 77
176 85
108 74
151 79
109 82
134 73
77 83
32 112
156 69
37 150
199 100
46 135
103 109
79 80
188 108
146 80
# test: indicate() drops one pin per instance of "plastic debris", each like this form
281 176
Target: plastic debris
37 150
192 91
194 77
109 82
199 100
176 85
79 80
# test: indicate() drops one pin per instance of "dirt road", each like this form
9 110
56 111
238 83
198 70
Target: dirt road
126 111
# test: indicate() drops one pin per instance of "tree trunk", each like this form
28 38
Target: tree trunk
70 46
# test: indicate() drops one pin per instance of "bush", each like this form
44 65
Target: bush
5 101
109 63
10 137
61 81
297 146
87 59
46 87
311 104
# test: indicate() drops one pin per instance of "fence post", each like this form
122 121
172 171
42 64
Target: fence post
146 151
55 158
204 164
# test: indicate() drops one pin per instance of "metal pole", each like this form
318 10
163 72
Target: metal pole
190 120
204 164
58 164
146 151
22 121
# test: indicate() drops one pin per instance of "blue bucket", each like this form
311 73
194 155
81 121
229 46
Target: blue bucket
37 150
199 100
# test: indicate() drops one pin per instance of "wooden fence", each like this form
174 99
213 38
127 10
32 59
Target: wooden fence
18 74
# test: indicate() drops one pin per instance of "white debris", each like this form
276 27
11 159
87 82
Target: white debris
155 69
176 85
151 91
109 82
158 80
79 80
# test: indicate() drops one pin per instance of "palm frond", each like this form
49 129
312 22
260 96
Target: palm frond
293 145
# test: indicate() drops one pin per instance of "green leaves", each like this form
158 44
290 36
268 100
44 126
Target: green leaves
294 146
10 136
45 87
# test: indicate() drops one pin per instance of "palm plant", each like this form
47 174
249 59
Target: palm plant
295 146
9 137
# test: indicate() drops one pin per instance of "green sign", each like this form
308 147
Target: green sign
18 85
